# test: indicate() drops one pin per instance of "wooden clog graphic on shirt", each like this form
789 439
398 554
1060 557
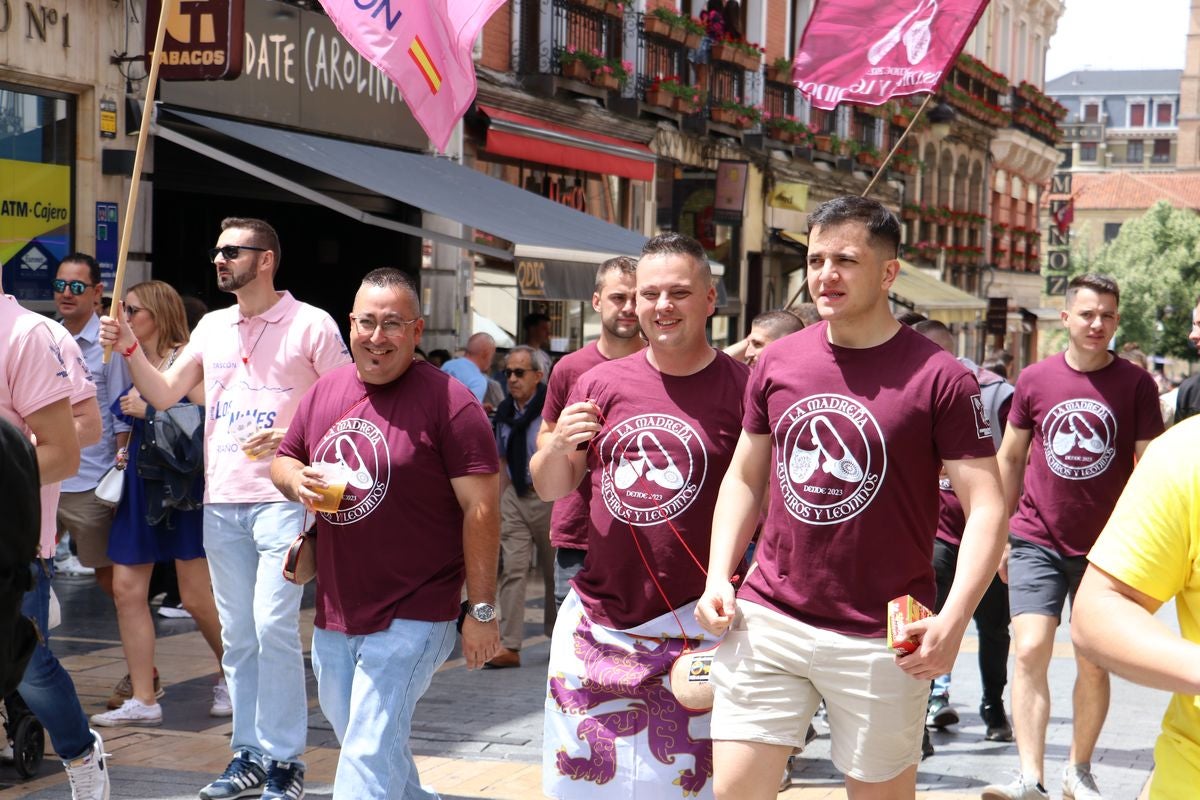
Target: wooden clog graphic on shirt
804 463
916 38
1076 431
628 471
358 477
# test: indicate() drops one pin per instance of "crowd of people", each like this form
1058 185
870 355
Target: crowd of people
718 533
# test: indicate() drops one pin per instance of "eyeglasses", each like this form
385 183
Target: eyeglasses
391 327
231 251
518 371
77 287
130 310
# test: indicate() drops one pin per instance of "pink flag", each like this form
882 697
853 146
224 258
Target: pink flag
424 46
865 51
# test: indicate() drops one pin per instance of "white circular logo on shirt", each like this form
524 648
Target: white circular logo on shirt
654 466
359 447
1079 438
831 459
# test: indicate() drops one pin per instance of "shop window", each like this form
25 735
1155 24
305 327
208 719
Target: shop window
37 132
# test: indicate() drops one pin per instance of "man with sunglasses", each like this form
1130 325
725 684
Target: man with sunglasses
407 442
256 359
77 288
524 517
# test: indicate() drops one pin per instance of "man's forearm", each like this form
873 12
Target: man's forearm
481 551
734 520
283 473
555 473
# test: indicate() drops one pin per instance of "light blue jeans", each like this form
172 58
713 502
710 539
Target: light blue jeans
260 624
368 687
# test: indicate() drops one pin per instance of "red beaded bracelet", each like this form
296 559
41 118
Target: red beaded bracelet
132 347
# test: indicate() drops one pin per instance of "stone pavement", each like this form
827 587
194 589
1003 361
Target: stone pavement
478 734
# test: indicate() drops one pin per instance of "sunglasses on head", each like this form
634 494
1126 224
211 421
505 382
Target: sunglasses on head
77 287
518 371
232 251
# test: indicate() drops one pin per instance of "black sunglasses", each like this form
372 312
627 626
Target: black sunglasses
518 371
77 287
232 251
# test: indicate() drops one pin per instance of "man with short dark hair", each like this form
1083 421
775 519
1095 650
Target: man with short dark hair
256 359
407 441
524 517
764 329
536 327
849 447
77 286
1187 399
1077 422
653 433
614 300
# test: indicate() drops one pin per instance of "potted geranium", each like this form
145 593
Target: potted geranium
780 70
578 65
611 74
735 114
660 93
660 22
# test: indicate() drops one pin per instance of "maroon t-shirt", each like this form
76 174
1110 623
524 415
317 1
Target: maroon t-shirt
858 439
656 465
395 548
569 519
1084 425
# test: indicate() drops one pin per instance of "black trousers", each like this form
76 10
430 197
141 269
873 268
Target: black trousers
991 621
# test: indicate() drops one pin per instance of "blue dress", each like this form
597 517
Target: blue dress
132 539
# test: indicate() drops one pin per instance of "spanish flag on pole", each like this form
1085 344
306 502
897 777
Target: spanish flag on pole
424 46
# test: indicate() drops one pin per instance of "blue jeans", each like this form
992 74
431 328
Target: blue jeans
368 687
46 687
260 624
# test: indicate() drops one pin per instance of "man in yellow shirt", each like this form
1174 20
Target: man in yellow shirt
1147 554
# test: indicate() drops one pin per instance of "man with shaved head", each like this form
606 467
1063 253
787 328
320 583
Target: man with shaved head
472 367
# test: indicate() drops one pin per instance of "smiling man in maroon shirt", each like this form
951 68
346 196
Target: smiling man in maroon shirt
1086 413
847 424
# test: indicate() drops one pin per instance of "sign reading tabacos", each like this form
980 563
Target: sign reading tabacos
203 40
866 51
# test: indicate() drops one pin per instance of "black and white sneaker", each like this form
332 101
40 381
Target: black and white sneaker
244 777
285 782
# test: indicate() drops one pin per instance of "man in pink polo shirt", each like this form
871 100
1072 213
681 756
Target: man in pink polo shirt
257 359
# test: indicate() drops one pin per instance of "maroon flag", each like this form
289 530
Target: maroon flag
866 51
1064 215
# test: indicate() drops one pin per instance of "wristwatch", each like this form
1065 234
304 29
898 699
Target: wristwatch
481 612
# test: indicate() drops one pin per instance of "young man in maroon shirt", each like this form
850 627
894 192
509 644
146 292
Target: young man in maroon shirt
847 424
1086 414
620 336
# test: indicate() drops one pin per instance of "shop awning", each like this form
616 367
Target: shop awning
1045 315
795 237
552 273
436 185
934 298
529 139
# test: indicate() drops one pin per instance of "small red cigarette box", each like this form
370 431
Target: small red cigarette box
902 611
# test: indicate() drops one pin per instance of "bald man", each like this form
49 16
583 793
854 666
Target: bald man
472 367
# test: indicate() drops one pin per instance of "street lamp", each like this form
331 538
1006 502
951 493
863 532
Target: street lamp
940 117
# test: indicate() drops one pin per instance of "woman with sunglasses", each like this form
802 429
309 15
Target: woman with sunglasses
156 314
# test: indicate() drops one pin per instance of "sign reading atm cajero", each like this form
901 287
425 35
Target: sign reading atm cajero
35 225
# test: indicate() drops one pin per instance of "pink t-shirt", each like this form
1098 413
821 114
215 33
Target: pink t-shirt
662 451
395 548
40 363
569 519
259 366
1084 425
858 438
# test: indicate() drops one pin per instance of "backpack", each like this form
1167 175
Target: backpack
171 461
20 486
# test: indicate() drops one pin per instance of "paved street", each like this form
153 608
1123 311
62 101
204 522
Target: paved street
478 734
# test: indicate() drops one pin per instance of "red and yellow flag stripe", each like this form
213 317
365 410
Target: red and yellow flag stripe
420 57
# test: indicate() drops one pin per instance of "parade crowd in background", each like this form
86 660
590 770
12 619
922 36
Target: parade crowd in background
723 537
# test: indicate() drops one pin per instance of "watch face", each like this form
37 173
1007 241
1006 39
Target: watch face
483 612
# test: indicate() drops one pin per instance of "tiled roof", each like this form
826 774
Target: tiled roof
1134 190
1115 81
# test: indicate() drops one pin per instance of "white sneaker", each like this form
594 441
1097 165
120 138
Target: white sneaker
174 612
1079 784
88 774
131 712
70 567
222 705
1020 789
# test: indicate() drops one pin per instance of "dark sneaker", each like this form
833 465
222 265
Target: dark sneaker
285 782
926 745
939 713
998 729
244 777
124 690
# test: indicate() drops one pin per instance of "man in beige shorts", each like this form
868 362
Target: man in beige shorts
850 447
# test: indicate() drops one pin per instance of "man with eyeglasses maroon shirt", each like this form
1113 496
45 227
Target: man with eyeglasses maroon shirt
256 360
